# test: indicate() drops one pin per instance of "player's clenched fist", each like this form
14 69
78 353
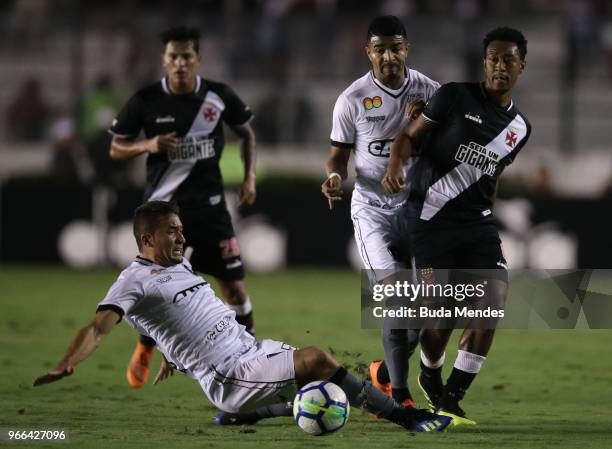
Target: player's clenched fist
414 109
331 188
393 181
163 142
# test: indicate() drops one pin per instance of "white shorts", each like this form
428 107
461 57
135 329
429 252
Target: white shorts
377 233
262 376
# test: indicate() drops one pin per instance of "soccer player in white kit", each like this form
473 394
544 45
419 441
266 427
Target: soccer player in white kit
366 119
160 296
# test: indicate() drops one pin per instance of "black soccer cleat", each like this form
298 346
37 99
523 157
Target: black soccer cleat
452 410
421 420
432 388
236 419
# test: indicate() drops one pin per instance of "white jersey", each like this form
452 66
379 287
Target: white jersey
367 117
179 310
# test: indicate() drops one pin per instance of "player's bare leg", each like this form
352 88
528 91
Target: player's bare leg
235 296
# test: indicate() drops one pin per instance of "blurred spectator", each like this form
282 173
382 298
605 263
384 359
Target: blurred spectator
69 164
470 14
27 115
106 171
606 42
285 118
303 119
27 24
541 183
266 123
142 63
102 101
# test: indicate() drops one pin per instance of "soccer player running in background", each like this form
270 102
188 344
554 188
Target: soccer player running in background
367 117
182 118
475 131
160 296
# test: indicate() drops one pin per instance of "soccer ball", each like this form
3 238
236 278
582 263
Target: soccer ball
320 407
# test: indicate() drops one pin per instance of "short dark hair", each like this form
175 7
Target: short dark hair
386 26
147 215
507 35
182 34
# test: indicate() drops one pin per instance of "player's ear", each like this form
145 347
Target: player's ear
523 63
147 240
368 50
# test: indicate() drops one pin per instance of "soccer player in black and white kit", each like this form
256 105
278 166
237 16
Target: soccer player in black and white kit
475 131
367 117
182 118
160 296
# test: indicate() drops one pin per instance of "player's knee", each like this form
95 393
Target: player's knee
318 364
496 294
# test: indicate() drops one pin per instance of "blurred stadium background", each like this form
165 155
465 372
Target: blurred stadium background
67 66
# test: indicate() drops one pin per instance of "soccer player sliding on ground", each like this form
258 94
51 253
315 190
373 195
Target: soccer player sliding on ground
161 297
474 131
182 117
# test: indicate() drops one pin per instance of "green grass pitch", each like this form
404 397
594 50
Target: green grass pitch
539 389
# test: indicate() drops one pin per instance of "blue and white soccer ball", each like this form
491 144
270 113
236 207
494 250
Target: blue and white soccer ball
320 407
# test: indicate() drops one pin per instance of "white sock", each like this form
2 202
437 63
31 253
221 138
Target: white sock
468 362
242 309
435 364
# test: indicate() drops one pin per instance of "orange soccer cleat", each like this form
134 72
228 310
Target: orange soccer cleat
138 368
374 367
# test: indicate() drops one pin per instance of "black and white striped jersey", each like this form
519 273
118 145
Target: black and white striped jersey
473 141
189 175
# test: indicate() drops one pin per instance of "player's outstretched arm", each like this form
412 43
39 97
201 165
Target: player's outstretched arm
337 171
248 190
401 150
123 149
84 343
165 370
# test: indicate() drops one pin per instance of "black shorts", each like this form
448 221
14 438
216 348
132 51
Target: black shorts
210 233
475 248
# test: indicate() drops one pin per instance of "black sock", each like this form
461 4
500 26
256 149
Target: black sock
432 376
271 411
456 385
431 373
382 375
147 341
363 394
401 394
